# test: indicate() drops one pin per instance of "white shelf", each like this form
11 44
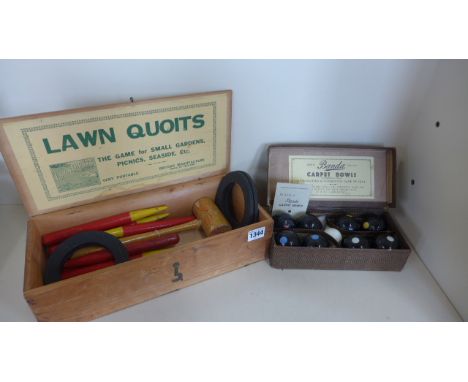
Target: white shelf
254 293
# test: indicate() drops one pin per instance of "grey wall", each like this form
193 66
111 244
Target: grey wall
274 101
434 211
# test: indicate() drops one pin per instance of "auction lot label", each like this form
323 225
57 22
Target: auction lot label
334 177
78 156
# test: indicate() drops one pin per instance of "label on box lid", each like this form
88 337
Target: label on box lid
331 176
340 176
78 156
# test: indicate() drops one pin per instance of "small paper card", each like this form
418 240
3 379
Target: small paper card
291 198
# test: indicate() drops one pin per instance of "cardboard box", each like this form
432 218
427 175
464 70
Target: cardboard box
344 179
75 166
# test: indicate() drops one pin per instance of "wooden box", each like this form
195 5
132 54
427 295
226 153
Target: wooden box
344 179
75 166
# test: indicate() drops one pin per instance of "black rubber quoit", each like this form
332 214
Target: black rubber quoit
224 198
66 249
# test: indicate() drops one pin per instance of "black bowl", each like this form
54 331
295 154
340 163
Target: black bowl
374 223
284 221
316 240
348 223
309 222
387 241
356 241
287 239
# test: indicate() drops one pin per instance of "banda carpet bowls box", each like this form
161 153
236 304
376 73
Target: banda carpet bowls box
352 189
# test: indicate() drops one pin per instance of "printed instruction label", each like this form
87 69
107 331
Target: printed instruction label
291 198
334 176
256 234
67 158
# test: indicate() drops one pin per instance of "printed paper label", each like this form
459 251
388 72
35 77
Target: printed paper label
256 234
78 156
334 177
291 198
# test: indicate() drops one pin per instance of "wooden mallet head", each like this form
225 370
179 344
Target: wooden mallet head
212 219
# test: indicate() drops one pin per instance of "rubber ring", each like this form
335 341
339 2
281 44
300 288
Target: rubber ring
224 198
66 249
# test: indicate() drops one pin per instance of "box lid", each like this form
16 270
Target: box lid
74 157
340 176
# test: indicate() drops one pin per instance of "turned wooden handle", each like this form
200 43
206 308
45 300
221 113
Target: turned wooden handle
101 224
194 224
210 218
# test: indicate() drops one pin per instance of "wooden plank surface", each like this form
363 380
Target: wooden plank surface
95 294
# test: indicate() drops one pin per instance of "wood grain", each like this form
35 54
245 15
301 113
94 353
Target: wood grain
23 189
35 258
92 295
190 226
212 219
16 173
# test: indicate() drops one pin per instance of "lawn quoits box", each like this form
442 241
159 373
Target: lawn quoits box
76 166
346 182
